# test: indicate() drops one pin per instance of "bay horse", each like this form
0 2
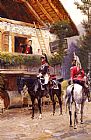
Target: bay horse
55 89
34 90
75 94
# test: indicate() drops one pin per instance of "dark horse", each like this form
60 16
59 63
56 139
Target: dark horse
34 90
55 89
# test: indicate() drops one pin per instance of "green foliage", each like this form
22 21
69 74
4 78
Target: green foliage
84 6
84 42
27 60
83 55
61 29
64 85
55 59
17 59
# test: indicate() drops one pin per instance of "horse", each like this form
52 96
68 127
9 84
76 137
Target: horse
55 89
75 94
34 90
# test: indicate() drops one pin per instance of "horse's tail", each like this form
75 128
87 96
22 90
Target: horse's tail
68 96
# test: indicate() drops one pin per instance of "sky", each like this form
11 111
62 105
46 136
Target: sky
74 13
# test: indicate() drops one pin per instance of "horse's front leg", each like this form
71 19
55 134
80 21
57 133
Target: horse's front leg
82 106
39 106
75 120
60 103
70 113
33 99
75 117
53 101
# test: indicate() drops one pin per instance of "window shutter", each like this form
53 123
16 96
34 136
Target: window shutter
5 41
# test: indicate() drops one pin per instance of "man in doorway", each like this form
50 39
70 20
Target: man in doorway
29 47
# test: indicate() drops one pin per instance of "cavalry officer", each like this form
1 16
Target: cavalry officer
77 76
44 70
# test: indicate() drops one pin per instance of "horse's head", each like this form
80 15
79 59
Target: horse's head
53 84
20 84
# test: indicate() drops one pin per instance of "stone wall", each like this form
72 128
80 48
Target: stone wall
24 30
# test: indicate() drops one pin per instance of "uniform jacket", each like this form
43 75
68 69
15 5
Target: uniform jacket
44 67
76 73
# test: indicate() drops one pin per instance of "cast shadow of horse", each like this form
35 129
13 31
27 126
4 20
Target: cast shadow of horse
34 90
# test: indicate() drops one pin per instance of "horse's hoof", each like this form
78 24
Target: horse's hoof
60 113
40 117
75 127
82 122
53 113
47 96
32 117
89 100
71 125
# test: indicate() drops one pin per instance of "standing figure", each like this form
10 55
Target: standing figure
29 47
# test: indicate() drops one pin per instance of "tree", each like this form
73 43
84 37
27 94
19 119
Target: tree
84 42
67 62
62 30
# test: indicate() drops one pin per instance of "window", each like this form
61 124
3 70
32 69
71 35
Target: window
19 43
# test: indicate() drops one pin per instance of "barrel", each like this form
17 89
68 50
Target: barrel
15 99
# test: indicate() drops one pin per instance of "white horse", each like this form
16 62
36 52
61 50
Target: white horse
75 94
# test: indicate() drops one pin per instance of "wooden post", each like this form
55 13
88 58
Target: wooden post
13 42
0 41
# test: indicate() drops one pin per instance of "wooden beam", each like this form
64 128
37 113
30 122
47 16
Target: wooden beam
56 10
20 1
28 5
16 22
0 40
44 11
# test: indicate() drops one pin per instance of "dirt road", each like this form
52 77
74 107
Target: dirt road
16 124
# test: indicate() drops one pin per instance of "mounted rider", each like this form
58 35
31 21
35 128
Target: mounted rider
77 75
44 71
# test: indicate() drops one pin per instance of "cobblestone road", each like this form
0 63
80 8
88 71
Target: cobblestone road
16 124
